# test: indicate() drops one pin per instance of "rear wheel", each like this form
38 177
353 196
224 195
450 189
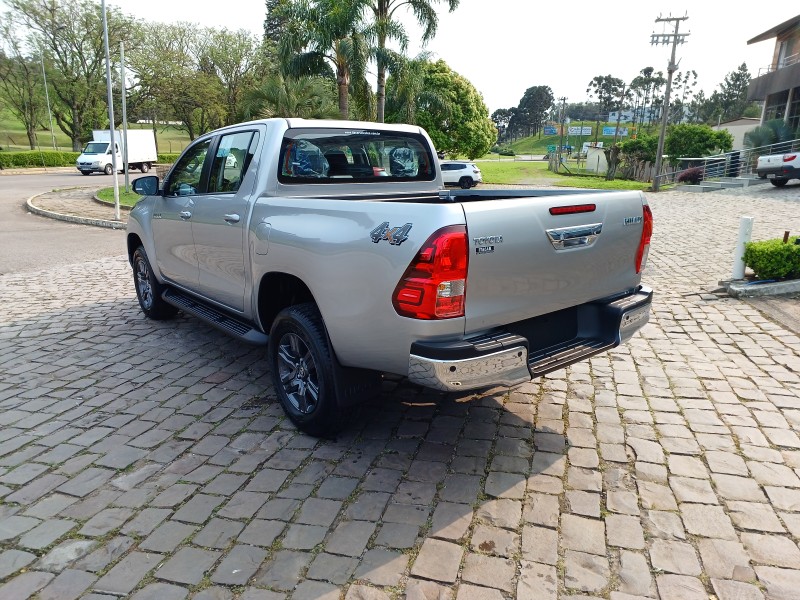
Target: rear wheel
301 362
145 167
148 290
465 183
779 182
108 170
86 172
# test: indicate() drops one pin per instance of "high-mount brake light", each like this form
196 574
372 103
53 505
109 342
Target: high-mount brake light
644 242
572 210
435 283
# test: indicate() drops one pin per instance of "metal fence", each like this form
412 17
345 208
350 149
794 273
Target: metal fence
737 163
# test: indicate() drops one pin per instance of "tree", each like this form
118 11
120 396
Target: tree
694 141
234 57
534 106
730 100
21 84
174 72
67 31
386 27
325 36
501 118
772 132
607 90
406 91
304 97
461 125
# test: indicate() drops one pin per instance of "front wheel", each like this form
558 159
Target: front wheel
148 289
301 362
779 182
465 183
108 170
86 172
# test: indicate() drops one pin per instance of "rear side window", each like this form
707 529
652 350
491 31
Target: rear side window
233 156
345 155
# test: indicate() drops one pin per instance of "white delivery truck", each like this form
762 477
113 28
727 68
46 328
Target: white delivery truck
96 155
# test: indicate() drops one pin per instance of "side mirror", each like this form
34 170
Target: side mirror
146 186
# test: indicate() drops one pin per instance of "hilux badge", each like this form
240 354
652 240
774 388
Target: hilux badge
395 236
632 220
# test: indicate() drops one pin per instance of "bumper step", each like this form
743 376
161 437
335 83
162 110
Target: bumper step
555 357
214 317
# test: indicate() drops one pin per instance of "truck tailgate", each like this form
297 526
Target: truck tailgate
525 261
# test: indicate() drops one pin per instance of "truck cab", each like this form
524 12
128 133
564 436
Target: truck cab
96 158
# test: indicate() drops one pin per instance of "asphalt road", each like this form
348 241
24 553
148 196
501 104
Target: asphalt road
32 243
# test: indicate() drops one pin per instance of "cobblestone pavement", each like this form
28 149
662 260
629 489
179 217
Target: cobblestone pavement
151 460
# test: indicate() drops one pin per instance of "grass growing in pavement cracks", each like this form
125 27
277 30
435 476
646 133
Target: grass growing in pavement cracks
125 198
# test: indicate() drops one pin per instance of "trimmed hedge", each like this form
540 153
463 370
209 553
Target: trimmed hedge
772 259
34 158
49 158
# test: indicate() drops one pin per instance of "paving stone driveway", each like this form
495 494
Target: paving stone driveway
151 460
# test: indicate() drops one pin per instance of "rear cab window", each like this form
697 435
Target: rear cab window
330 155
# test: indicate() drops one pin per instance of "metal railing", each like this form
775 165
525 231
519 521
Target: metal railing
737 163
787 61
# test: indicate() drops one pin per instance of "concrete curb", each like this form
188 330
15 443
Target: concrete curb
36 170
71 218
739 289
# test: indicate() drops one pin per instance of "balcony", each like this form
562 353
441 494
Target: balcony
775 78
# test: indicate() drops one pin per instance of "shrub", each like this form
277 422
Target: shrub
167 158
35 158
693 175
503 150
772 259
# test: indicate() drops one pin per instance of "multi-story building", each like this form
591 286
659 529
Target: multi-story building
778 85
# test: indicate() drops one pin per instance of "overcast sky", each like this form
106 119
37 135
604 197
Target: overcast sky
506 46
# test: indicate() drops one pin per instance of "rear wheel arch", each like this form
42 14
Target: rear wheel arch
277 291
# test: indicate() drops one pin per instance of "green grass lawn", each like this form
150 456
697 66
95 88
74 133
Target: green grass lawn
125 198
536 173
13 137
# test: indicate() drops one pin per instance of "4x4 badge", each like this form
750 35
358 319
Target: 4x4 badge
395 235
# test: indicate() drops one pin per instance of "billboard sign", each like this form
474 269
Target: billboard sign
550 130
609 131
578 130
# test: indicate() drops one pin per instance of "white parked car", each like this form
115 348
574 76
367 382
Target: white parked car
462 173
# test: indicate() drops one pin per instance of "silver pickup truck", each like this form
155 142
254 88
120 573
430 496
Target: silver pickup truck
335 245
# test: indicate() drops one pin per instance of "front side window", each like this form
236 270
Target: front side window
233 156
363 156
186 178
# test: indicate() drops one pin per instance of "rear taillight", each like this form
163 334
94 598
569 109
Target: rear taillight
435 283
789 157
644 242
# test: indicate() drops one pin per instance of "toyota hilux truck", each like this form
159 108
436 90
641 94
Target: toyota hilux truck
335 245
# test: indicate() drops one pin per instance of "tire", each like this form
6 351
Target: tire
779 182
108 170
145 167
86 172
302 367
465 183
148 290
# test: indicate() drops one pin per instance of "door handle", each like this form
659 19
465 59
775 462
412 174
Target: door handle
185 215
232 218
570 237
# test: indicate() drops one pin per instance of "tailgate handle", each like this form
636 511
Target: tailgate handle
571 237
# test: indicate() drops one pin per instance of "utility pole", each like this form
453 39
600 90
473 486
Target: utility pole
666 38
561 138
113 143
124 92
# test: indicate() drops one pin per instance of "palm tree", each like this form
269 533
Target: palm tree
279 96
325 37
406 91
385 27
